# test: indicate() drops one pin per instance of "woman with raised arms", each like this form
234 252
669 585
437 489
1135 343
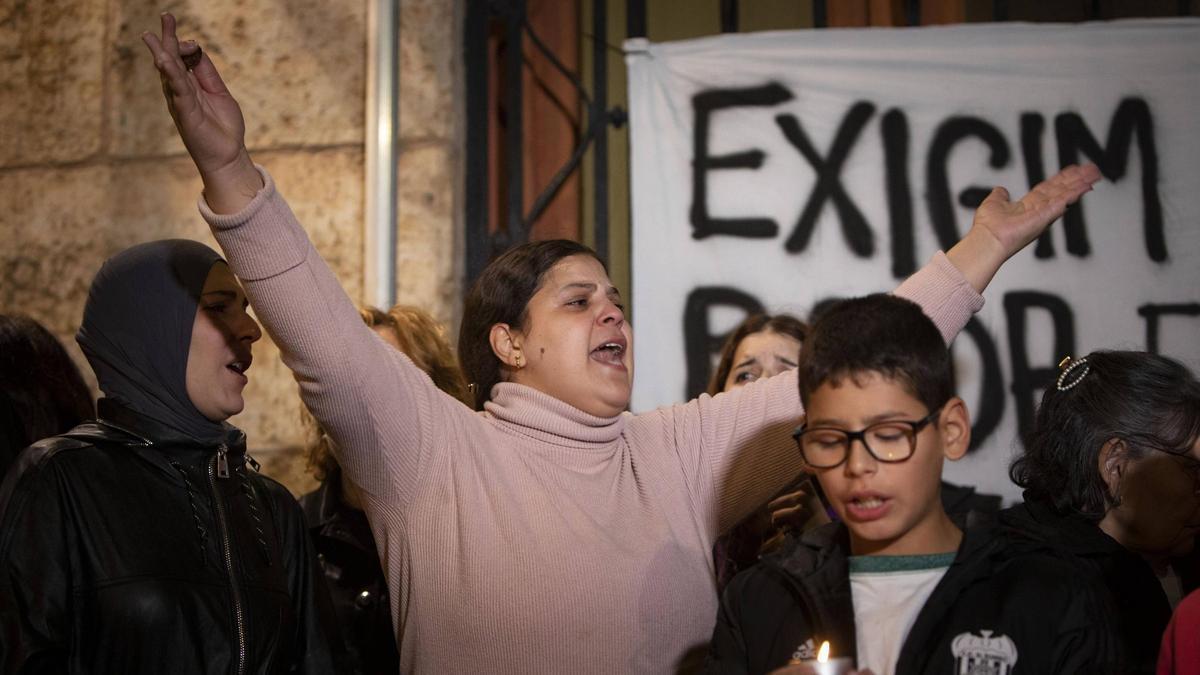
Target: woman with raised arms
550 531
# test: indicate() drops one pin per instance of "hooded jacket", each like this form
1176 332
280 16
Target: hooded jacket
1019 610
1143 607
124 549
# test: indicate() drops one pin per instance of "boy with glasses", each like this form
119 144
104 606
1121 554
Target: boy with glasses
897 584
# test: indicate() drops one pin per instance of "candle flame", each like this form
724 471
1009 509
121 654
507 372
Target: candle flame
823 652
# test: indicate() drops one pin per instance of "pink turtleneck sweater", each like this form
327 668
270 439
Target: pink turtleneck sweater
532 537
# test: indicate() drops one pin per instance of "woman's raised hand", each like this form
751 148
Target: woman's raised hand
208 118
1003 226
1015 224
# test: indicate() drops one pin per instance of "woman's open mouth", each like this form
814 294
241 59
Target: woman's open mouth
610 353
240 367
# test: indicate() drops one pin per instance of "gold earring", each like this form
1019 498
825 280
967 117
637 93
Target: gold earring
518 360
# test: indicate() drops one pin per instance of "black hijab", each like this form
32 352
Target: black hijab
137 331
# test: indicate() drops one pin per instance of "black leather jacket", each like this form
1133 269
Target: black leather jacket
347 556
127 548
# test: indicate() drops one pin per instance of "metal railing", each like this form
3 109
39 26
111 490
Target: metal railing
481 243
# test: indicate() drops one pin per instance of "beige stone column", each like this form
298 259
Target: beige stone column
90 162
429 241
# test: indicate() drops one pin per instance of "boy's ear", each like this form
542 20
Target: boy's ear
1111 462
506 344
954 426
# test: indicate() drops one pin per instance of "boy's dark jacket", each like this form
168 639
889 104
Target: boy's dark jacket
1002 595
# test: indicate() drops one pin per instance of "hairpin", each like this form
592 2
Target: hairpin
1073 372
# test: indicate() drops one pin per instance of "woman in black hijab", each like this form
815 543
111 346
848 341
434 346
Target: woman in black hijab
142 543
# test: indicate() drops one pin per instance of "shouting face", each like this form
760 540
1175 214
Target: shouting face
575 344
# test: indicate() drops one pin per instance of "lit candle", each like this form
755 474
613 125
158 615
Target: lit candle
823 665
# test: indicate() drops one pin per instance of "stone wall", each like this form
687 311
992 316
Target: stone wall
90 163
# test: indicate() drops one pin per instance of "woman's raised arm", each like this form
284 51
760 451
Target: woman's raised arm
745 452
208 118
1002 226
367 396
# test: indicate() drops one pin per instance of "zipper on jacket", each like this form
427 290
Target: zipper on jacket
214 470
222 461
253 463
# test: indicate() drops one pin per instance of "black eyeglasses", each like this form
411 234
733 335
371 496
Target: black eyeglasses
891 441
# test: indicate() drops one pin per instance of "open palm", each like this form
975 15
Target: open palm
1013 224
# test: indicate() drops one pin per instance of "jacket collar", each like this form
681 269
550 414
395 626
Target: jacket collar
820 546
320 505
1070 532
119 419
325 505
156 443
1128 576
328 515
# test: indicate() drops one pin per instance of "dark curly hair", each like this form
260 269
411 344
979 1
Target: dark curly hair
1149 401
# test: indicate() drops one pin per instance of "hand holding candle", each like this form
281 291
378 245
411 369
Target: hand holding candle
822 665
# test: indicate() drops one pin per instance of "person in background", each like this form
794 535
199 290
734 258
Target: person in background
897 585
761 346
334 511
1180 653
1111 472
41 390
142 542
550 530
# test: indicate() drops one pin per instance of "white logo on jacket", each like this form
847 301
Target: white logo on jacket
808 650
983 654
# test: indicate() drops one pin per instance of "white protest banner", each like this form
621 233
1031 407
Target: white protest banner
774 170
